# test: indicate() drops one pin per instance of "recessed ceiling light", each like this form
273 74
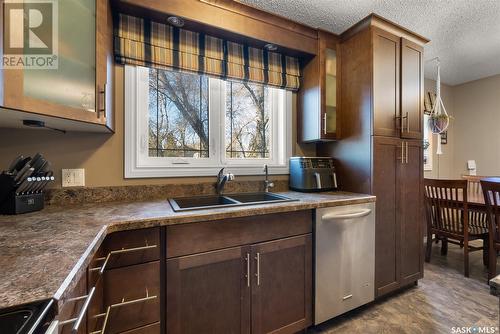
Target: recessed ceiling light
175 21
270 47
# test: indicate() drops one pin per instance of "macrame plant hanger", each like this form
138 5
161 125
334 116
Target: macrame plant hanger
439 119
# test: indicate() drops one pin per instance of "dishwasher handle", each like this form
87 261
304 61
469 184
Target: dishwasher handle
349 215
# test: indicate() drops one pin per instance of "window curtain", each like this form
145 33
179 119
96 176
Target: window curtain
143 42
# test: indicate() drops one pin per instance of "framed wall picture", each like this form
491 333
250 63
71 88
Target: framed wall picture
444 138
427 145
429 100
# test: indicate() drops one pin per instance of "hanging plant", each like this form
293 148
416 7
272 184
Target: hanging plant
438 123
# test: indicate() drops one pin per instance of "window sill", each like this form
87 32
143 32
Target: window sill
184 171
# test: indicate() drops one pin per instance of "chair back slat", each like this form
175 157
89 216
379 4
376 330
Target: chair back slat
474 186
446 205
491 193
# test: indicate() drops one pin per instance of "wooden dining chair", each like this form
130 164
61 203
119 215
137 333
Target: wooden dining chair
491 193
474 189
449 218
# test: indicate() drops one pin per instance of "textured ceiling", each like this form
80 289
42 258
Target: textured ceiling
465 34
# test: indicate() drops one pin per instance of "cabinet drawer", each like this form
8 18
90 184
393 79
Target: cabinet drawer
132 247
133 296
207 236
72 307
96 313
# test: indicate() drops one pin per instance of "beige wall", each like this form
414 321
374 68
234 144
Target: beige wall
474 128
442 165
100 154
477 125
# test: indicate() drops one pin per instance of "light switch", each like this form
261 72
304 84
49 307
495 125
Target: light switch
73 177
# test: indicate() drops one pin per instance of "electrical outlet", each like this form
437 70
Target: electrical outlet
73 177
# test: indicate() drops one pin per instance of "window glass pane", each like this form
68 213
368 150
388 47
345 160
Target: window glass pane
247 121
178 114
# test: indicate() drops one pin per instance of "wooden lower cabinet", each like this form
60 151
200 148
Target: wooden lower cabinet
133 294
397 165
386 166
281 289
260 288
259 281
412 215
71 308
209 292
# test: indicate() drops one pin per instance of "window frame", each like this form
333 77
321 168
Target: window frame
138 164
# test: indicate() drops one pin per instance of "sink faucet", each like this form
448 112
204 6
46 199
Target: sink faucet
222 179
267 184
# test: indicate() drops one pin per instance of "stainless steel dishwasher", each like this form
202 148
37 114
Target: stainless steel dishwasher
344 259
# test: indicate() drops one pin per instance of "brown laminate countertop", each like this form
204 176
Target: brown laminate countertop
44 253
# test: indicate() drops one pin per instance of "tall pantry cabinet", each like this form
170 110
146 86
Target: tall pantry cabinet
380 150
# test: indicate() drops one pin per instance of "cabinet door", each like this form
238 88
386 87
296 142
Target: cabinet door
411 213
209 292
319 94
69 90
387 154
412 89
329 76
104 63
386 93
281 287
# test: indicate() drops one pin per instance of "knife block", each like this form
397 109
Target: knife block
12 203
17 204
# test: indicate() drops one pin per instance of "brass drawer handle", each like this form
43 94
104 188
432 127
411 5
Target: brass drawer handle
134 301
119 251
122 303
105 323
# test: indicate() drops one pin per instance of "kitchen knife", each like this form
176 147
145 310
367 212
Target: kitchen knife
48 178
24 173
35 181
35 159
46 168
39 185
21 164
14 163
24 185
38 165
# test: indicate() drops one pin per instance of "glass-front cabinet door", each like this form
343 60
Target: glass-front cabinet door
318 96
330 107
66 82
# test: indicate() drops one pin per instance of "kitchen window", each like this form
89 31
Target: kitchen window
188 124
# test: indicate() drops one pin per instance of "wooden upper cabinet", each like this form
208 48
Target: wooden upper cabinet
386 87
398 89
412 89
319 94
79 88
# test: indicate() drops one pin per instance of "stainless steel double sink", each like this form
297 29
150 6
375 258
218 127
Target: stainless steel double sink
222 201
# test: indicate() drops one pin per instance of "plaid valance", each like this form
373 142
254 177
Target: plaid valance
143 42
